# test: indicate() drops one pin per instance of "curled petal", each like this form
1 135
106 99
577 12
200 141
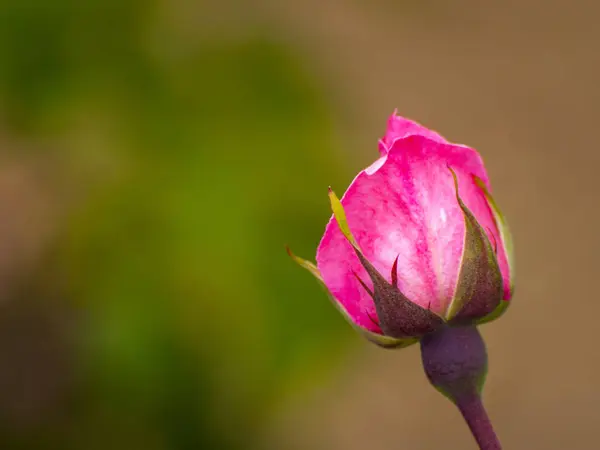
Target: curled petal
399 128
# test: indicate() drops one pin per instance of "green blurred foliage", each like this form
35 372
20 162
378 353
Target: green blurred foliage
192 165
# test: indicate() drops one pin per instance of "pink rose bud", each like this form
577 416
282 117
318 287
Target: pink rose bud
416 242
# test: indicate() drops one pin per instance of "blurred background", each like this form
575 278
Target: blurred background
157 155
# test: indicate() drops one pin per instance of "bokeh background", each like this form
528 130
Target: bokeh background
157 155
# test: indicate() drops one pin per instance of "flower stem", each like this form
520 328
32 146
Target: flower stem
472 409
455 362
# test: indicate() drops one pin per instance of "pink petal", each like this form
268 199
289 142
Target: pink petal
399 127
407 208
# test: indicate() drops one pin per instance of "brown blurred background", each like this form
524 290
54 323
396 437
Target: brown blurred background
155 156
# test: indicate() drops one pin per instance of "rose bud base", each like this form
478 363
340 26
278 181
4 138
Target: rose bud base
455 362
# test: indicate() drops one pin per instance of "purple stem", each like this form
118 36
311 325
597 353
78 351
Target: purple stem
455 362
472 409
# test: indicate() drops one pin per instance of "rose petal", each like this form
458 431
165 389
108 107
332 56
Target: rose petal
399 127
407 208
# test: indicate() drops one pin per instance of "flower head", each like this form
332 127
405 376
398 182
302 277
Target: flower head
416 241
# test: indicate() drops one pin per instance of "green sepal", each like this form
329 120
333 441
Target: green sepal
340 218
380 340
500 309
503 229
390 303
479 269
